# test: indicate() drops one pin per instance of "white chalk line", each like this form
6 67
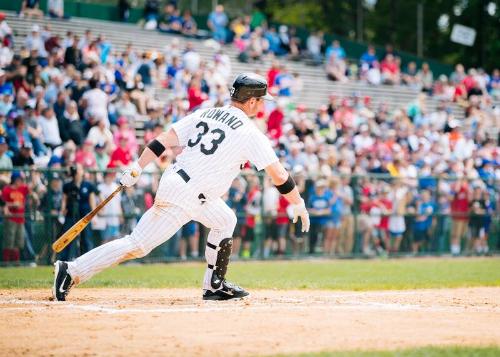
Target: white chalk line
36 305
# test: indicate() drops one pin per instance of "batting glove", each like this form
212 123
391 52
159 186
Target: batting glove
131 175
299 210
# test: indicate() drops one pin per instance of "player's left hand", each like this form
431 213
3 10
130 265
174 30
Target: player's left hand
131 175
299 210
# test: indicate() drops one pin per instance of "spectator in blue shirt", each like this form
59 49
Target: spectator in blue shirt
369 57
217 22
423 220
320 211
335 217
284 81
336 49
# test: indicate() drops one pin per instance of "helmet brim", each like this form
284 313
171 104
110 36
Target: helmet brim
267 97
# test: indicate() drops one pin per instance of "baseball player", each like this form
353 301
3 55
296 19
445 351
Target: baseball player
216 143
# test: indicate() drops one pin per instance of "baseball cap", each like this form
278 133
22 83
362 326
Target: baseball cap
2 140
122 120
15 175
27 145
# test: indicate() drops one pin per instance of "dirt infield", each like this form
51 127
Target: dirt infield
176 321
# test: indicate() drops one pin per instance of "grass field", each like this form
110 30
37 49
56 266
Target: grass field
319 274
417 352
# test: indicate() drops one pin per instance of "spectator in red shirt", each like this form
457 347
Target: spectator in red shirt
252 210
459 214
195 95
390 70
86 155
272 73
121 156
385 205
124 131
282 222
14 196
274 123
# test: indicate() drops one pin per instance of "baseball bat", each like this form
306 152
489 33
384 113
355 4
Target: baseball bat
79 226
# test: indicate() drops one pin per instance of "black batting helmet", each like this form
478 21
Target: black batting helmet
249 85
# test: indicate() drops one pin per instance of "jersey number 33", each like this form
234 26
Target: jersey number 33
217 134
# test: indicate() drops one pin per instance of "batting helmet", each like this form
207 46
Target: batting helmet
249 85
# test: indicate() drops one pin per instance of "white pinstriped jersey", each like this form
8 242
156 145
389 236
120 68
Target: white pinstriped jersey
217 142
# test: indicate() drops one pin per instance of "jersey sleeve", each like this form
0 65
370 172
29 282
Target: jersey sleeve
183 128
259 151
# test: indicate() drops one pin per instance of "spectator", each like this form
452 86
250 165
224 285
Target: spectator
85 156
34 41
397 225
409 77
346 233
425 78
170 21
79 198
252 209
124 131
189 236
189 26
50 129
24 157
56 9
31 8
5 31
18 135
95 102
459 214
71 126
14 196
314 43
195 94
237 200
319 209
151 14
112 212
336 68
390 70
331 245
101 156
270 203
217 22
477 220
121 156
130 209
123 10
423 220
100 134
335 49
284 82
73 55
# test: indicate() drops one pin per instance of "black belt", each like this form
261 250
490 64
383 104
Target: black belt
186 179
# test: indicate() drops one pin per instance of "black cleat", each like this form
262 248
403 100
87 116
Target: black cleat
227 291
62 281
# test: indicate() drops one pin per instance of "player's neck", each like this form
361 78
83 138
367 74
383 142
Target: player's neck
240 106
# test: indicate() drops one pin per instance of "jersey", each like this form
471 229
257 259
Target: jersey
217 142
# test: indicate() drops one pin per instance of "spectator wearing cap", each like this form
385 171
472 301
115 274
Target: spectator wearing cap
34 41
217 22
101 156
423 220
319 209
125 132
50 129
24 157
14 196
31 8
5 103
121 156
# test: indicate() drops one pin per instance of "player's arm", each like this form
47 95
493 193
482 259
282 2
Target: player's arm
152 151
286 186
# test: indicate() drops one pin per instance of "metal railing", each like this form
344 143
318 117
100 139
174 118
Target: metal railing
386 216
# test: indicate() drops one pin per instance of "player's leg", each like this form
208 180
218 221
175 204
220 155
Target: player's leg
157 225
221 220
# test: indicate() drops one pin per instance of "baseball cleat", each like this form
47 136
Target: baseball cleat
62 281
227 291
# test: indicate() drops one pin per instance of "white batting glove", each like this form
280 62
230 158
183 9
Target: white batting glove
131 175
299 210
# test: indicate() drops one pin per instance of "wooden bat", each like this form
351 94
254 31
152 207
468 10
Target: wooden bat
79 226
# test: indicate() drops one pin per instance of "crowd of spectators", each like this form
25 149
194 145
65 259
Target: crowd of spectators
72 104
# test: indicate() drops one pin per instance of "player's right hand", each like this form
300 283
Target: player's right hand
131 175
299 210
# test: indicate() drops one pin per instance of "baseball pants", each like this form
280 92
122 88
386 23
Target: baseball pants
156 226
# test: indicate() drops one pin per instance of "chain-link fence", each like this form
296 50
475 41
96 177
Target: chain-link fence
351 216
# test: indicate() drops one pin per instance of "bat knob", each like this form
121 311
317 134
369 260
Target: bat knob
134 173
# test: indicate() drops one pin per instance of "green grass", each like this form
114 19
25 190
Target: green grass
319 274
455 351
